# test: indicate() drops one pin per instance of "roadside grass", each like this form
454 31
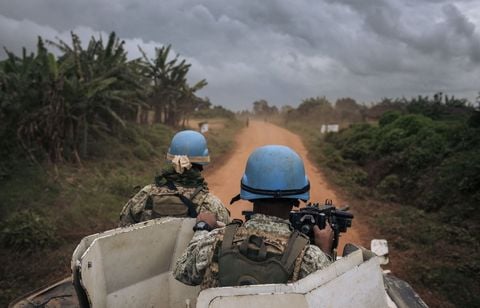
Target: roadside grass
437 257
68 202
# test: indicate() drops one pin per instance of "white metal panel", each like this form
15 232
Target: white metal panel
87 241
92 274
146 293
349 282
260 301
130 267
360 286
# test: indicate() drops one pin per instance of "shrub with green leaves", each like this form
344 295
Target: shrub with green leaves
28 230
143 150
388 117
432 163
425 157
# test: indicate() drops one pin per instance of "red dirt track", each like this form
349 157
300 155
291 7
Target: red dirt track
224 181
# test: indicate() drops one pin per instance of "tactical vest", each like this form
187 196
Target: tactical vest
252 262
172 202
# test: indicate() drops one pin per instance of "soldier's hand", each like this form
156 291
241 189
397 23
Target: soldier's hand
324 238
208 217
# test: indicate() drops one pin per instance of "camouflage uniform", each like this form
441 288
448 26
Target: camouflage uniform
197 266
137 210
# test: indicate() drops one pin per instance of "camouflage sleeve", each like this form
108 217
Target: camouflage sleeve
133 208
212 204
191 266
313 260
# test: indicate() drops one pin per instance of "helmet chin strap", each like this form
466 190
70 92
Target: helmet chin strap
278 193
235 199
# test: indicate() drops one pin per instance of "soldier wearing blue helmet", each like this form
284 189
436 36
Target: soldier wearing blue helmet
265 249
180 190
191 144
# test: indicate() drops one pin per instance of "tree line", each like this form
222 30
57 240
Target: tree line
346 111
51 106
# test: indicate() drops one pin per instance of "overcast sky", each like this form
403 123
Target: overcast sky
282 51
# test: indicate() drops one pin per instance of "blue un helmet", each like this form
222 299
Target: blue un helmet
189 143
274 171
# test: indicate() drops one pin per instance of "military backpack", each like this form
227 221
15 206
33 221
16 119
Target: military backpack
252 262
170 201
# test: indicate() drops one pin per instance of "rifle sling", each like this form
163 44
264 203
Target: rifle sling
296 243
228 236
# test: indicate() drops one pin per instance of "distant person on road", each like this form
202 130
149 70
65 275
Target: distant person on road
264 249
180 190
247 122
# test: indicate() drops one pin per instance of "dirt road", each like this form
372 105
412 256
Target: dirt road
225 180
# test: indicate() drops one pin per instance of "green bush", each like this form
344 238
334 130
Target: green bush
424 149
159 137
389 184
121 185
129 134
391 141
427 161
143 150
333 159
359 176
28 230
448 278
456 178
413 158
388 117
474 120
412 123
359 151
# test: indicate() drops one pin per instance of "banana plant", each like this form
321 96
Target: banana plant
170 88
103 86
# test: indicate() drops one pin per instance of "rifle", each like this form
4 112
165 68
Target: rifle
313 214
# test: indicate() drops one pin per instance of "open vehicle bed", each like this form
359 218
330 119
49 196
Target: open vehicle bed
131 267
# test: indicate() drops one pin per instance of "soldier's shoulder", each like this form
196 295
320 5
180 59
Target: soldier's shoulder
141 195
211 198
214 204
204 196
148 188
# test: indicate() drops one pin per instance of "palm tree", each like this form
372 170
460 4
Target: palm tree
188 101
170 91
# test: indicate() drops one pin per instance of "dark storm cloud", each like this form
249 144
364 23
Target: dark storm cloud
279 51
452 36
